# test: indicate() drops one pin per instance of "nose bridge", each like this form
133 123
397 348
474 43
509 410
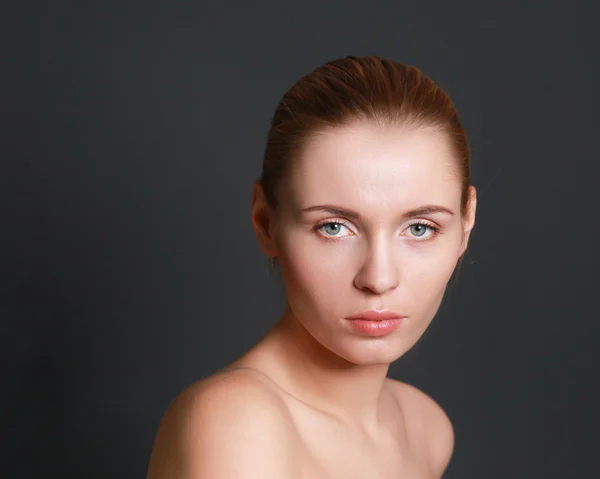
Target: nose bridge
379 272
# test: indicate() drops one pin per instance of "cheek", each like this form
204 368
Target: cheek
313 269
429 275
316 274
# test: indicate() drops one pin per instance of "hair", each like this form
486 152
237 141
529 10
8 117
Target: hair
351 89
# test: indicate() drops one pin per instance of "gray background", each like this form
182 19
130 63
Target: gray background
131 133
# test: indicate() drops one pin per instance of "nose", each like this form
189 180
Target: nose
379 272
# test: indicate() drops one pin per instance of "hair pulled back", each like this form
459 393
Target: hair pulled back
367 88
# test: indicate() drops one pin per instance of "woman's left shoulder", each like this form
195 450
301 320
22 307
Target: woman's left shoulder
426 422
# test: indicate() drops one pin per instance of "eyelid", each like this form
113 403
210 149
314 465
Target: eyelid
339 221
345 223
422 221
435 229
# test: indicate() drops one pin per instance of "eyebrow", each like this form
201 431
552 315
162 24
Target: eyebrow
420 211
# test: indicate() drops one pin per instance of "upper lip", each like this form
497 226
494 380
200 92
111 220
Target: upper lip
374 315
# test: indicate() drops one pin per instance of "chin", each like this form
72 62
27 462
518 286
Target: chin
370 352
363 351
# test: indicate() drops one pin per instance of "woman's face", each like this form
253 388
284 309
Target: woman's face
370 219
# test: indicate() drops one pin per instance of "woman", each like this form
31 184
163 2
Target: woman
366 205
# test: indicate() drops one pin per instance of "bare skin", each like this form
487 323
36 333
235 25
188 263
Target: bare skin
312 398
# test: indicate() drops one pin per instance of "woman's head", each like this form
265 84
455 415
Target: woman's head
365 200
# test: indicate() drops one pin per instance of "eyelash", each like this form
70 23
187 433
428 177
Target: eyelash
320 226
432 227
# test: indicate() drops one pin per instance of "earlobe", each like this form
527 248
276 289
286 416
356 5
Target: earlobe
262 221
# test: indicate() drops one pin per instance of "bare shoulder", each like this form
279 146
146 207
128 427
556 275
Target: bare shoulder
427 423
231 425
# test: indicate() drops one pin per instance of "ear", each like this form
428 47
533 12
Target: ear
263 221
469 220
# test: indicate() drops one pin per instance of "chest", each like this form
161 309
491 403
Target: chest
361 465
331 453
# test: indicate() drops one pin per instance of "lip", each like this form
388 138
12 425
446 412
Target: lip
374 315
375 323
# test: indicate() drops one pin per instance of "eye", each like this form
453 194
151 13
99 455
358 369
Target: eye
422 231
334 229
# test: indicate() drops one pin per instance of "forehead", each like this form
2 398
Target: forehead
368 167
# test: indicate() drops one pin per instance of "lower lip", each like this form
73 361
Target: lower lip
375 328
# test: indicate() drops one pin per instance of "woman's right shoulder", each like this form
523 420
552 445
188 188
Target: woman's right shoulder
232 424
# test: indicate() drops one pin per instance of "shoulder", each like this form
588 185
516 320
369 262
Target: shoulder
231 425
426 422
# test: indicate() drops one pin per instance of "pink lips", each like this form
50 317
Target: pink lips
376 323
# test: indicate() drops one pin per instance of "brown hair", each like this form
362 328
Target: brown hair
359 88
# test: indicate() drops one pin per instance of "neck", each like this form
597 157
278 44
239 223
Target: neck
315 375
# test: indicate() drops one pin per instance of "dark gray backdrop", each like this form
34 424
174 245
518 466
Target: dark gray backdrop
131 133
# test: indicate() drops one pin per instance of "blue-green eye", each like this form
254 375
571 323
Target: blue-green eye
418 230
423 231
333 228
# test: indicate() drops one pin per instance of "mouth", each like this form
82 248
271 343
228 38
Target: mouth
374 315
376 323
